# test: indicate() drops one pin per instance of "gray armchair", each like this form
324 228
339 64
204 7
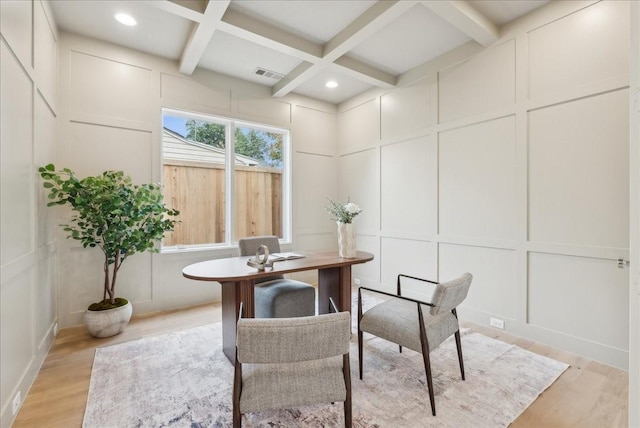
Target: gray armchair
290 362
277 296
417 325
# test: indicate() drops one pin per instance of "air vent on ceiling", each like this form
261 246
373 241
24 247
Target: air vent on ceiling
268 73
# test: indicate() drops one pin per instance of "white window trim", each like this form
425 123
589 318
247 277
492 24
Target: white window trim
231 124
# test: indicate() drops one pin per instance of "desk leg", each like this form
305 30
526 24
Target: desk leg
335 283
232 294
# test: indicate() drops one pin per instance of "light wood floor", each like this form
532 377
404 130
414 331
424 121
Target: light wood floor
588 394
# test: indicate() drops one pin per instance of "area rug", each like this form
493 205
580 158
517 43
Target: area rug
183 379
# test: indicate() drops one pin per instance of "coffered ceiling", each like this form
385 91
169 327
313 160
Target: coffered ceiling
359 44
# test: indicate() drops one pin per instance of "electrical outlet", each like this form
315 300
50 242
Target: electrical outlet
495 322
16 403
55 329
356 281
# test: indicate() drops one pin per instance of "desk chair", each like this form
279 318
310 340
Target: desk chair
403 320
277 296
291 362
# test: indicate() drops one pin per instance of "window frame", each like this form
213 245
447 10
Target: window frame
230 205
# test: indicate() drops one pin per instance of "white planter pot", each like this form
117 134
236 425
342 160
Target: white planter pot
108 323
346 240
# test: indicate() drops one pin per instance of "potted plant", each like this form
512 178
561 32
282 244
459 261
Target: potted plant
117 216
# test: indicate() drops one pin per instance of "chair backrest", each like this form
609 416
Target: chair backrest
449 295
249 246
288 340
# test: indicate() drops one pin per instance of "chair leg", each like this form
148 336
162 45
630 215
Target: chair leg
346 368
427 369
427 362
359 332
400 348
237 388
360 352
459 346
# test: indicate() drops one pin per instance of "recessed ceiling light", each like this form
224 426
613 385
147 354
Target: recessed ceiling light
331 84
125 19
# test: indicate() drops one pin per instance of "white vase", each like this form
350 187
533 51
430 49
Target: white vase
108 323
346 240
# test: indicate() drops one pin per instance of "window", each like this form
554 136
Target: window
225 188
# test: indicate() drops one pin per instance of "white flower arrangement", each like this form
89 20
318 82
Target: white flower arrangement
343 213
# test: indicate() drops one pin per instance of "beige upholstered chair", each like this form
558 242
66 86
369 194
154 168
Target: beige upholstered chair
290 362
417 325
277 296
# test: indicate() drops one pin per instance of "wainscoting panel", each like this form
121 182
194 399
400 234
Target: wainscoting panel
101 86
17 29
359 181
16 330
265 109
477 180
314 131
359 127
588 46
483 83
43 154
579 164
106 147
493 289
406 110
44 293
588 297
46 53
175 91
319 173
86 280
409 187
16 157
368 273
409 257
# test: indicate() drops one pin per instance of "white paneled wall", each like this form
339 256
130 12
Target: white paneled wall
563 186
511 164
28 125
476 180
408 189
483 84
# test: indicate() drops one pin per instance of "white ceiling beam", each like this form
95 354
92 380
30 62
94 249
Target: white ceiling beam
192 10
303 72
364 72
261 33
465 18
201 35
372 20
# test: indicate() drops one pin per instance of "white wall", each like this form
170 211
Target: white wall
29 310
509 162
110 111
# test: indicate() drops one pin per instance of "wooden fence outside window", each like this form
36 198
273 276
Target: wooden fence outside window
197 190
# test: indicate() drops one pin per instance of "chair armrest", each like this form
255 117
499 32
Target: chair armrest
399 291
398 296
416 278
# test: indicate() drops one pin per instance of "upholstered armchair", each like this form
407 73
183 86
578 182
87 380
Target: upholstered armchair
415 324
290 362
277 296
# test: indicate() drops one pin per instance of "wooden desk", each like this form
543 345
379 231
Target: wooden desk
238 280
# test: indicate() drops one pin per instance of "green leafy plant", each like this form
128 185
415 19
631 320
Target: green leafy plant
112 213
